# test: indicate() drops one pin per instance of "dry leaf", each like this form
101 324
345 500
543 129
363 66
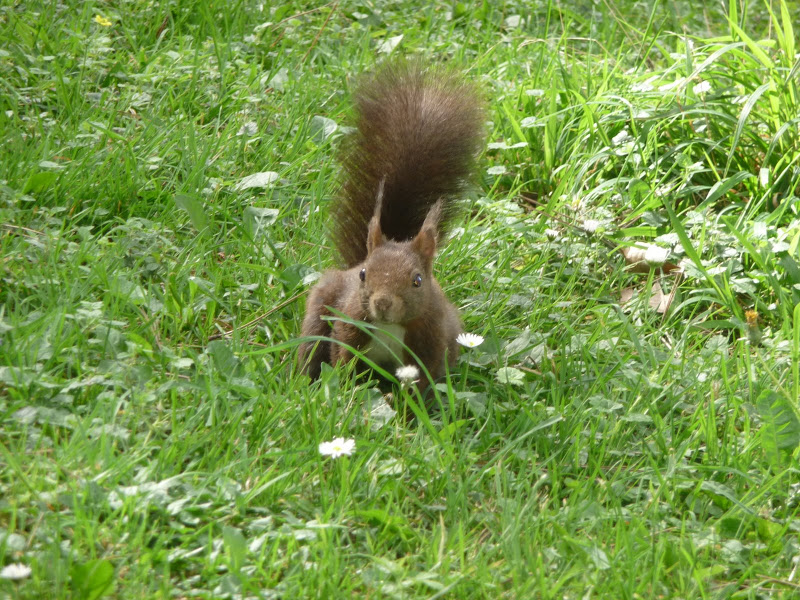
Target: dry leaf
658 301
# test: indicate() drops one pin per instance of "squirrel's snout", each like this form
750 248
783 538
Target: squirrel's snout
382 308
383 303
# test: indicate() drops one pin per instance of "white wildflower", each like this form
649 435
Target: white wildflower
249 129
590 225
338 447
702 88
407 374
15 572
661 191
551 233
469 340
656 255
621 138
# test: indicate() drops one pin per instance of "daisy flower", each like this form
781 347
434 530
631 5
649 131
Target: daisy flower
338 447
469 340
15 572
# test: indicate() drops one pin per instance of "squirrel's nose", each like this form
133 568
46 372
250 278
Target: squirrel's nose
383 303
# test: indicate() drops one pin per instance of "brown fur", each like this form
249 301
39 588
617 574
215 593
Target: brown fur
418 132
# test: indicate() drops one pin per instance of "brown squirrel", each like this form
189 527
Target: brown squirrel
417 136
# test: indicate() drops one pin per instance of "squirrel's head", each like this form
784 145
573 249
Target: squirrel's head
397 277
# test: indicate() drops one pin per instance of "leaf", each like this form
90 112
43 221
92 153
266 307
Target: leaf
389 44
690 250
92 580
256 219
39 182
788 31
721 188
780 428
322 128
224 359
257 180
746 109
236 546
599 558
279 80
754 47
292 275
379 412
658 301
475 401
551 128
194 208
718 491
510 375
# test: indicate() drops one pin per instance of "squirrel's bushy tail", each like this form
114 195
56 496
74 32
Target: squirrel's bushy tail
419 130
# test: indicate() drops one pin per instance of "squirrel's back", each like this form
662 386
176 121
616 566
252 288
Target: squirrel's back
418 130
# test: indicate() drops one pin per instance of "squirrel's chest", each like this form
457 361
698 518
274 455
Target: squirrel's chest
383 349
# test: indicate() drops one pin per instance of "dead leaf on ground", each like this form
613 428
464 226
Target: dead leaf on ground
658 301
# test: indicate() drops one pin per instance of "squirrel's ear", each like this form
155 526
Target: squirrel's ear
374 234
426 240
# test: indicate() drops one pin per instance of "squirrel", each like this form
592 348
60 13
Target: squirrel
418 132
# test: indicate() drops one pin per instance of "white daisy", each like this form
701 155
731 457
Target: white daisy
15 571
469 340
338 447
407 374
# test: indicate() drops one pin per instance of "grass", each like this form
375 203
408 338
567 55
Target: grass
156 439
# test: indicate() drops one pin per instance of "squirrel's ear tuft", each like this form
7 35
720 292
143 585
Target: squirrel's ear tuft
425 242
433 217
374 234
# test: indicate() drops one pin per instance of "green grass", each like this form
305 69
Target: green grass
156 438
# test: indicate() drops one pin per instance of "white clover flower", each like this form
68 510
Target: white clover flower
15 572
621 138
661 191
407 374
551 233
469 340
249 129
590 225
656 255
338 447
702 88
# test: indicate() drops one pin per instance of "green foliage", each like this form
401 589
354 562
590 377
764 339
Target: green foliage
93 579
165 172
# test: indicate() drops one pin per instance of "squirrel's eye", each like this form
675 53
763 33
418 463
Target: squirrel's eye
362 275
417 280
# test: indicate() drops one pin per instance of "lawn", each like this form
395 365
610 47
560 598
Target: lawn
629 428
